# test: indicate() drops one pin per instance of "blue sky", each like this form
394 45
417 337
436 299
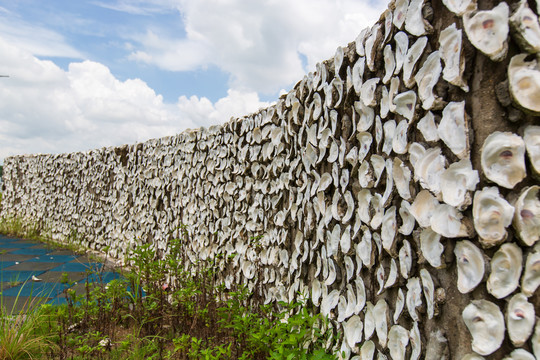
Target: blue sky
92 73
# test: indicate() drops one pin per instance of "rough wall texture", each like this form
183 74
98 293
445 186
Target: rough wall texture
382 185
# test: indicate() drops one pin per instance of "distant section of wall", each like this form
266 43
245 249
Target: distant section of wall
395 185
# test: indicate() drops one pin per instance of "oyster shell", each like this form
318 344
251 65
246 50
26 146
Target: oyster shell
503 158
486 325
431 247
415 24
389 128
407 220
416 342
527 215
389 230
525 27
429 291
402 178
520 354
398 339
491 214
400 303
402 45
460 7
413 55
423 207
506 266
520 319
426 78
446 221
380 313
414 297
369 321
352 329
470 266
405 259
400 13
524 83
429 168
399 142
531 276
405 104
488 30
367 351
532 143
428 128
453 129
456 183
389 63
450 40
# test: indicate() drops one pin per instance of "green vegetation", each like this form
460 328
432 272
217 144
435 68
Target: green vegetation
163 311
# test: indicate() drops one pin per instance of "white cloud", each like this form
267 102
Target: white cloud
45 109
236 103
37 40
259 42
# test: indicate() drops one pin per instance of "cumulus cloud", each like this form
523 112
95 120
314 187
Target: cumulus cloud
45 109
260 42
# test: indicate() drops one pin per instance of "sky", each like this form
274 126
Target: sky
86 74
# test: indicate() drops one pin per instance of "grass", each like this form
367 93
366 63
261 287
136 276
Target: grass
24 334
159 310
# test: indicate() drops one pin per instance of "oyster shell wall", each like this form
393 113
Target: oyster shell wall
406 192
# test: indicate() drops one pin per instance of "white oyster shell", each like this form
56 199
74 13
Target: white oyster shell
531 276
405 104
416 342
398 339
426 78
520 354
506 267
431 247
413 55
446 221
531 137
524 83
428 128
486 325
503 158
400 303
460 7
402 178
429 168
470 266
491 214
526 29
488 30
381 314
415 23
456 183
429 291
352 329
520 319
389 63
402 45
450 40
527 215
453 129
423 207
405 259
407 220
414 297
367 351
